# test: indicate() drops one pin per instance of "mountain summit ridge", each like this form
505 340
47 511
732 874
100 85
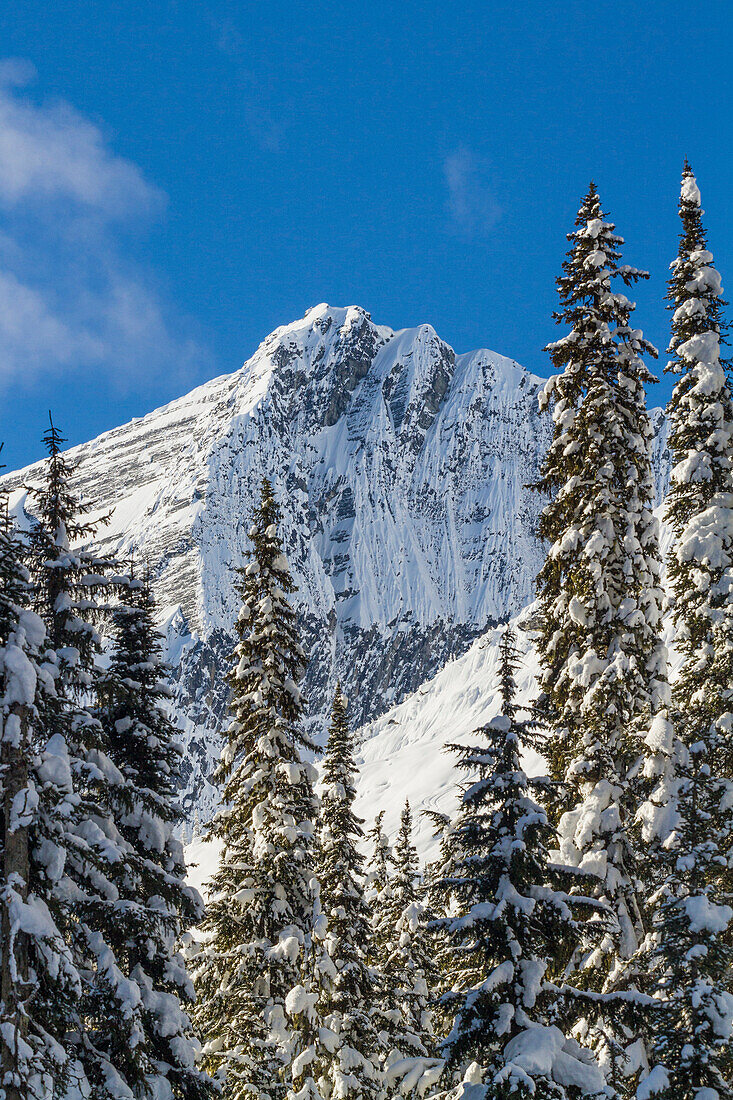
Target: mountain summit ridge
402 470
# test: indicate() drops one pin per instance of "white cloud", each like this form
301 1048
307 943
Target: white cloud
52 151
472 201
28 329
69 295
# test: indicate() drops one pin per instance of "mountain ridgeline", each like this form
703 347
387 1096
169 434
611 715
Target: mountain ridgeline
404 474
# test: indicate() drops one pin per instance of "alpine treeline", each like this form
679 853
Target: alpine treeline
574 936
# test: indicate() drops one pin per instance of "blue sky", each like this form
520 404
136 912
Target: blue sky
179 178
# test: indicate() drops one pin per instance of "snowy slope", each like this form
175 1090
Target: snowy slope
403 472
402 752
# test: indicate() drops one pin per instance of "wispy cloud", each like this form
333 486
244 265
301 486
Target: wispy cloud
472 202
69 295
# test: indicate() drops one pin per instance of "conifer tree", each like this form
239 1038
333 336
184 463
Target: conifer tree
437 905
513 926
159 907
603 664
688 819
688 955
386 1013
87 906
378 867
408 972
349 1057
408 966
700 410
39 984
261 900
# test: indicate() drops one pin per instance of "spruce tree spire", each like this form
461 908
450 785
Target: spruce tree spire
407 966
61 523
700 409
151 880
261 906
381 856
40 987
688 819
698 504
510 929
348 1062
603 663
90 849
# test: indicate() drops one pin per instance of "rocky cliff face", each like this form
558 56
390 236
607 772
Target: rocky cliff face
403 474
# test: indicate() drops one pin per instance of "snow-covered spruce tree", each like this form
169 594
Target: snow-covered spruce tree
603 663
158 906
379 867
688 819
408 971
437 905
409 968
689 953
87 906
349 1055
39 985
379 863
698 509
261 900
700 410
404 1052
513 926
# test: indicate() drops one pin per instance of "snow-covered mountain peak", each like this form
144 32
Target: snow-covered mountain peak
402 472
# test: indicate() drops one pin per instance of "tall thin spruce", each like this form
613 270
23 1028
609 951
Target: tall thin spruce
603 663
262 899
74 590
159 906
347 1055
407 964
40 987
514 922
688 818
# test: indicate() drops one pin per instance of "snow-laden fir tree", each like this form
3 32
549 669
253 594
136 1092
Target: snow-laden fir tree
380 859
348 1061
700 410
603 664
512 926
408 966
408 971
688 819
698 507
261 900
688 955
159 906
437 905
39 984
70 583
386 1012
